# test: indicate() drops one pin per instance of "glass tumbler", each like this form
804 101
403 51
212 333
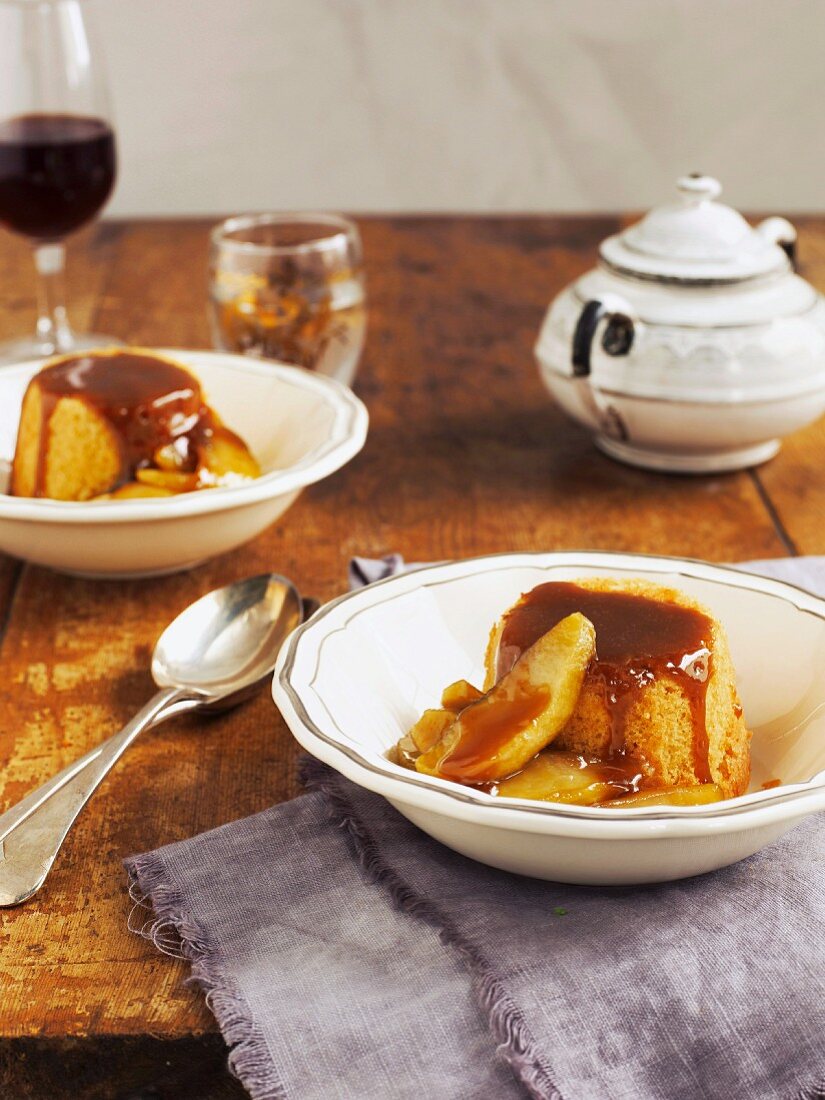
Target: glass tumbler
290 287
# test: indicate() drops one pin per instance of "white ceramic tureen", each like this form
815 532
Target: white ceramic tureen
692 346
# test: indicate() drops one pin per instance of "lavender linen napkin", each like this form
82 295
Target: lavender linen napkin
347 955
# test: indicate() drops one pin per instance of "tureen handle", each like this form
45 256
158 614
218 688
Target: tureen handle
618 335
780 231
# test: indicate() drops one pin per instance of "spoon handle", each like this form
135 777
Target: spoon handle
32 832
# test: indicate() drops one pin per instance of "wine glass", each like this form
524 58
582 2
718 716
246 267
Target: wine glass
57 149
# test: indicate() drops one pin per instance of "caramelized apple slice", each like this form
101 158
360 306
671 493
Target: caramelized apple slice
557 776
175 457
223 455
431 725
497 735
134 490
174 481
404 752
424 734
430 728
697 795
457 696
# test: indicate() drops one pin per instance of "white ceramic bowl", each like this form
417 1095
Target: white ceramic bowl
300 426
357 675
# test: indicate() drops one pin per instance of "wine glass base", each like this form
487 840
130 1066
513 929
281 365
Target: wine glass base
30 347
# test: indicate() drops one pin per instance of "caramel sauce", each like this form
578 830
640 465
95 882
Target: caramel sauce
149 402
486 726
638 641
621 773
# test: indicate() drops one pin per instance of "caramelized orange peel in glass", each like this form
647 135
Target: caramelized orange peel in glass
122 423
287 315
639 708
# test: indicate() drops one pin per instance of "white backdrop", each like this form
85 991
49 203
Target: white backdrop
564 105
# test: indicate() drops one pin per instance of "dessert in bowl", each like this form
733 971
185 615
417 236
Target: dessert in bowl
173 473
597 691
356 679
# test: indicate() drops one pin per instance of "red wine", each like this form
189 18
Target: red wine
56 172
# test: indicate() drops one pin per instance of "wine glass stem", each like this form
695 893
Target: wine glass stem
53 329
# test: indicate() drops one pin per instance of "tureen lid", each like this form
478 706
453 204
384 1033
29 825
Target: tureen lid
698 240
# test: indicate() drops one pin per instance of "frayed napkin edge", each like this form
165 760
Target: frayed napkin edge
249 1057
514 1041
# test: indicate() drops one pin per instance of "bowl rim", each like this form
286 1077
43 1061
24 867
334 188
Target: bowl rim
748 811
346 438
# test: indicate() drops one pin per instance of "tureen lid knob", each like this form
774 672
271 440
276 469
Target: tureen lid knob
699 188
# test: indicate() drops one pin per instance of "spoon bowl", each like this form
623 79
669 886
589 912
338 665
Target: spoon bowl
228 640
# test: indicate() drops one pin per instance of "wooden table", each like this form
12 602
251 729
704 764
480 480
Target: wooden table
466 455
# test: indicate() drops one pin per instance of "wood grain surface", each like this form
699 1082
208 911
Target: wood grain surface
466 455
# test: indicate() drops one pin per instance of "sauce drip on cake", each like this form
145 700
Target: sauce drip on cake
638 641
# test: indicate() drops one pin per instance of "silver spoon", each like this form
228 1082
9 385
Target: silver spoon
213 655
